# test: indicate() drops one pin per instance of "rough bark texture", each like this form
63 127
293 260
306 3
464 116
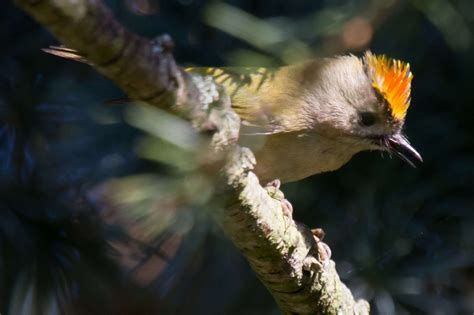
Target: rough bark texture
282 252
144 69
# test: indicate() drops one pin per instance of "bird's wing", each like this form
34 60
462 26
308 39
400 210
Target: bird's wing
249 92
260 96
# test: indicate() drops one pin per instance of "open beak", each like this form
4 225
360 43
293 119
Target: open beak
398 145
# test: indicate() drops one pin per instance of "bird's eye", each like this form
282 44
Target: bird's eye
367 119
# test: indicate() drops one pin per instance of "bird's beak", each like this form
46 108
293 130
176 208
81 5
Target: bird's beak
397 144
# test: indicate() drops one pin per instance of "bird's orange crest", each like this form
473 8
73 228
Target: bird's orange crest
392 79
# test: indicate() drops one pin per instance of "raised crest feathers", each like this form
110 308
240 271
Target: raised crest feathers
392 79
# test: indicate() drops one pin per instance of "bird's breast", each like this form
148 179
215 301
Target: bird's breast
294 156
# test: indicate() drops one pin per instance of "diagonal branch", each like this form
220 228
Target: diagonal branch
142 68
281 252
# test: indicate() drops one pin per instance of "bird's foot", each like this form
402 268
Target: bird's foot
274 184
273 189
324 252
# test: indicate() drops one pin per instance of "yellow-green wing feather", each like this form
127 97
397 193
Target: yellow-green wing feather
243 85
264 98
233 78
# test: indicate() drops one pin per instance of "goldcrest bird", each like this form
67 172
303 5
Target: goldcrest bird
312 117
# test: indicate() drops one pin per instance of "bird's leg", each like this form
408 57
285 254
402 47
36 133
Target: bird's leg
273 189
324 251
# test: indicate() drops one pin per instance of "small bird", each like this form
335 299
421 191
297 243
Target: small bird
312 117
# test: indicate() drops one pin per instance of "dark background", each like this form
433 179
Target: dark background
72 164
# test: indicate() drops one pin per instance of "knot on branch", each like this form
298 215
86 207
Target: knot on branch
217 115
240 163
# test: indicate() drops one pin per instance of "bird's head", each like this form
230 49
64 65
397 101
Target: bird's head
364 101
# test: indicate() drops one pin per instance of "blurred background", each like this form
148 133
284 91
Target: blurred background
103 210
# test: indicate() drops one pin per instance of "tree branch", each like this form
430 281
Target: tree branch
282 252
142 68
